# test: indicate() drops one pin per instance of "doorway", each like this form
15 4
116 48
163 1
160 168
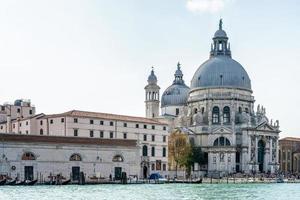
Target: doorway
75 173
28 171
118 173
145 172
261 154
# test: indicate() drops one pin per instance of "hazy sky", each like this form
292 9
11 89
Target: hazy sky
96 55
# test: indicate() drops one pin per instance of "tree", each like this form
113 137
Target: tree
179 149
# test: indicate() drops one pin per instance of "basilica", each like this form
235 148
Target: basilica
217 112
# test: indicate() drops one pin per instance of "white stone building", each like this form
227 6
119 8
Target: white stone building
151 136
217 112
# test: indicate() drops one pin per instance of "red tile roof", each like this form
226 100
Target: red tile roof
107 116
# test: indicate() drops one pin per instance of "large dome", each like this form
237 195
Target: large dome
221 71
177 93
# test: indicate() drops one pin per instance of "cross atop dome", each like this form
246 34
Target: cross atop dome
220 24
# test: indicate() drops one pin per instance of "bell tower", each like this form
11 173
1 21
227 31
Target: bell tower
152 96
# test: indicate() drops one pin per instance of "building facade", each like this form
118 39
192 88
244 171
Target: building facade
30 157
150 134
289 155
217 112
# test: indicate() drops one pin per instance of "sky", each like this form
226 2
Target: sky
97 55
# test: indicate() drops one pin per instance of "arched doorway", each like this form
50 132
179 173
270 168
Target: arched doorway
145 172
261 154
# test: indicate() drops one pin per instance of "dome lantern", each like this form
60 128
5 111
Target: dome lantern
220 46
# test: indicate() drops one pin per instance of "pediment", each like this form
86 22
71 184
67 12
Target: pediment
222 130
265 127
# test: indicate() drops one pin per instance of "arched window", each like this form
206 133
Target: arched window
226 115
75 157
246 110
216 115
28 156
240 109
164 152
41 131
145 150
117 158
153 151
195 111
221 141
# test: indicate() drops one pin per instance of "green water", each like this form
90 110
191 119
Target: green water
152 192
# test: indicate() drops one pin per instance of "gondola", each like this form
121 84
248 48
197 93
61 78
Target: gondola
30 182
50 183
11 182
2 182
20 183
66 182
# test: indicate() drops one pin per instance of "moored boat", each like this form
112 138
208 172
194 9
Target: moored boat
30 182
2 182
11 182
20 183
66 182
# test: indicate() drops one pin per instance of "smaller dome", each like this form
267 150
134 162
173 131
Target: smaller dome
152 79
177 93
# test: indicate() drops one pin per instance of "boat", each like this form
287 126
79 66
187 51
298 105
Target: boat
20 183
2 182
11 182
197 181
30 182
50 183
66 182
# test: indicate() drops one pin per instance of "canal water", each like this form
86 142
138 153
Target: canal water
152 192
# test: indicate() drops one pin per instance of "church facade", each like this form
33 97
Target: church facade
218 113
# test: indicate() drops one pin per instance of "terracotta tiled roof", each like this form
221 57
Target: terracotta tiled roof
4 137
107 116
290 139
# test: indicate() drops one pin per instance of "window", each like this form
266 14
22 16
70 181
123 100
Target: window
164 167
14 125
164 138
111 134
75 157
101 122
91 121
164 152
164 128
26 132
153 127
152 151
28 156
91 133
101 134
226 115
240 109
75 120
145 126
118 158
26 123
137 126
41 131
124 135
30 112
20 124
62 120
153 138
51 121
18 110
145 137
246 110
145 150
111 123
125 124
2 108
221 141
75 132
177 111
1 127
41 122
215 115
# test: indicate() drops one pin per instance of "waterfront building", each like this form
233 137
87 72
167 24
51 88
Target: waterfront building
150 135
217 112
289 155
